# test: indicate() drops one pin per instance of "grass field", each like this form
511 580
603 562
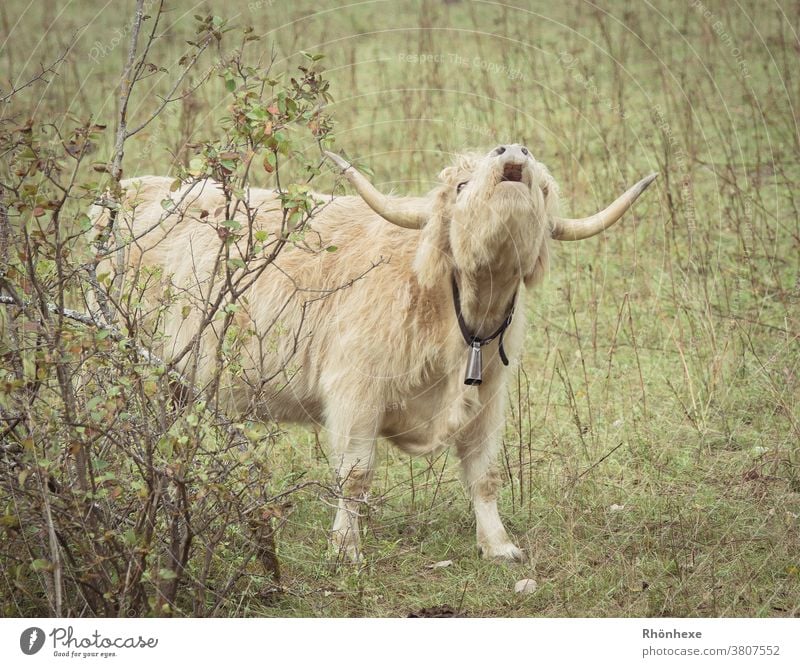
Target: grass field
652 449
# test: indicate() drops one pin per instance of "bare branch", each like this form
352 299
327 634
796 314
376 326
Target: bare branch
43 73
89 321
125 88
169 96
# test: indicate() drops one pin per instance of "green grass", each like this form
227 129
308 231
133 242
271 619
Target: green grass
662 360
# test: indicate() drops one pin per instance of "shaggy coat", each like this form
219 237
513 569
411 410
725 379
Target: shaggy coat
363 340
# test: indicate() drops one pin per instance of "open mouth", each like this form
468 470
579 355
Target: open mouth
512 172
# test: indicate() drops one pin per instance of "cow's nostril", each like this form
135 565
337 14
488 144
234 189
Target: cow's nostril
524 150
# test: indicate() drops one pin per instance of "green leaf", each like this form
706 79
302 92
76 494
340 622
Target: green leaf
84 222
165 446
197 166
257 113
40 564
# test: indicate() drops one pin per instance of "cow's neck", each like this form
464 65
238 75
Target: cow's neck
490 272
487 294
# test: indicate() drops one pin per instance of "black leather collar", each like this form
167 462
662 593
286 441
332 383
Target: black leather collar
473 340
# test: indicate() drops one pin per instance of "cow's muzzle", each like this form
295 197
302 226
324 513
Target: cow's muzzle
512 172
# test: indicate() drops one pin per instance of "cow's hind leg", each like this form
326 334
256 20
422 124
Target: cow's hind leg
353 442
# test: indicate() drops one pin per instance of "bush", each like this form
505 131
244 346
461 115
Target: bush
129 489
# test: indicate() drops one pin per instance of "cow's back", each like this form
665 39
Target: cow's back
327 307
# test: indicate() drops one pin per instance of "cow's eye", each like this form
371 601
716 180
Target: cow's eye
461 186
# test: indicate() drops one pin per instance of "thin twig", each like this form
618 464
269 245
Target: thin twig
125 88
49 69
168 97
114 333
600 460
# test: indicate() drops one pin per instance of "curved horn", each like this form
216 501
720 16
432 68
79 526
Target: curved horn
408 212
569 229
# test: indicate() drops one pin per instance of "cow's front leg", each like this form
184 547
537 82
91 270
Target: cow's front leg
477 446
353 455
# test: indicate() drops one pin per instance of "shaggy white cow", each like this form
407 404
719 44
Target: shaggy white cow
428 296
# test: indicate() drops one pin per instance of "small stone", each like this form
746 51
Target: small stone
616 508
525 586
441 563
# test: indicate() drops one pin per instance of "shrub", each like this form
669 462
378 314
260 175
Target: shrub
129 490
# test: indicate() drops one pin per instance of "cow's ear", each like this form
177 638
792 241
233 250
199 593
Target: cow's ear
448 174
550 192
433 262
540 266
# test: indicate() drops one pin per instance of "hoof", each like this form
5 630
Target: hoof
508 553
346 550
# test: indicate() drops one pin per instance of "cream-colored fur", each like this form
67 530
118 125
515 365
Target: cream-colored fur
325 338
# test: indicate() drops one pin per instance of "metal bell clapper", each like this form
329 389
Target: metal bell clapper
474 365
